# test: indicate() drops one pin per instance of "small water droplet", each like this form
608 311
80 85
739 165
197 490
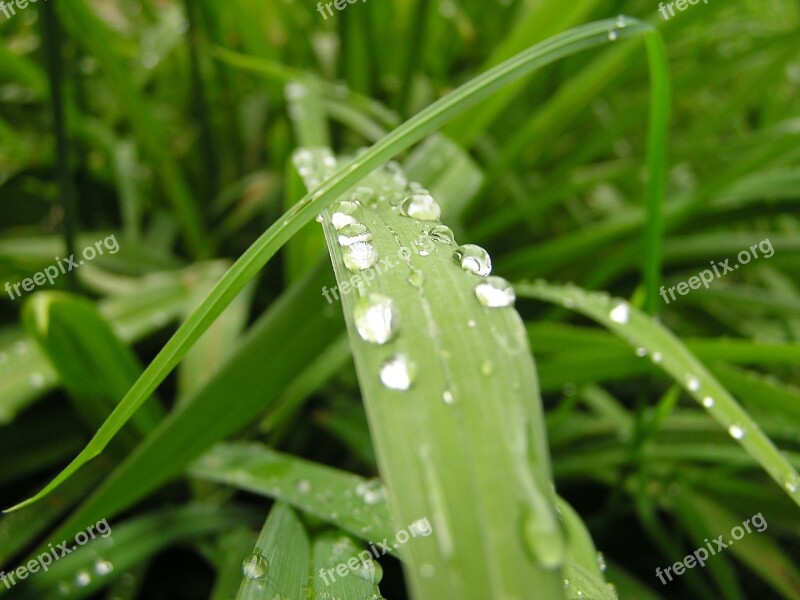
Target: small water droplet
472 323
641 352
612 35
360 256
421 206
398 372
304 486
447 396
103 567
495 292
601 562
791 484
427 571
83 578
622 21
474 259
708 402
692 383
371 491
318 218
353 233
566 583
375 317
416 278
620 313
657 357
442 234
344 213
736 431
255 567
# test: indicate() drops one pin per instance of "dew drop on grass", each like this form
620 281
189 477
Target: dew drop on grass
354 233
472 323
442 234
255 567
620 313
601 562
566 583
375 317
448 398
427 571
304 486
371 491
692 383
474 259
495 292
103 567
360 256
622 21
708 402
397 373
344 214
791 484
370 571
736 431
83 578
416 278
612 35
421 206
543 540
657 357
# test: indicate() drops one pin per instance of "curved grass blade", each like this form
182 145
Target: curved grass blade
671 355
248 265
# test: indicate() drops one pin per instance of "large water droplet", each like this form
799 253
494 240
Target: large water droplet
375 317
255 567
370 571
736 431
360 256
345 213
421 206
398 372
354 233
442 234
495 292
543 539
474 259
620 313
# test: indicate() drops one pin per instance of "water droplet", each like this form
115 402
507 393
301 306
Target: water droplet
36 380
612 35
620 313
83 578
641 352
360 256
354 233
447 396
566 583
375 318
421 206
427 571
495 292
370 571
371 491
416 278
472 323
601 562
791 484
442 234
692 383
474 259
657 357
318 218
737 431
487 368
304 486
421 527
622 21
103 567
344 213
543 539
255 567
398 372
708 402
